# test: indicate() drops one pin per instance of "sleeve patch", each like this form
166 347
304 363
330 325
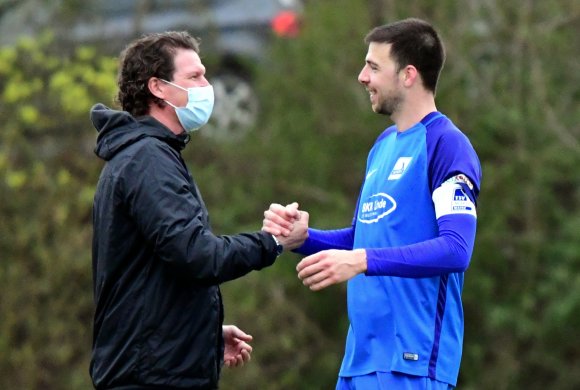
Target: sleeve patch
449 198
460 178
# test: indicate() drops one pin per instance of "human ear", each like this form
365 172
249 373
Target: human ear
156 87
410 75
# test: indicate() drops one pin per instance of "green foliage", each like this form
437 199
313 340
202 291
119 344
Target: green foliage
47 173
522 116
511 82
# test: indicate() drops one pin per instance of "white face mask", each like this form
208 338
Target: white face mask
198 109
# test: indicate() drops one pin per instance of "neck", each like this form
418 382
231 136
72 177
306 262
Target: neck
166 115
412 111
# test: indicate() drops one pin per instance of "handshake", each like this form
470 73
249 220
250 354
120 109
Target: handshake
319 270
288 224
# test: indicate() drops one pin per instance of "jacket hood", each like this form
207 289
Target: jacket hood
119 129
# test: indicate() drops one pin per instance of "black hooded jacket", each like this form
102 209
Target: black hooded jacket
156 263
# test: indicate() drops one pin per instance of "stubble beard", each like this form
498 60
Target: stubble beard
390 105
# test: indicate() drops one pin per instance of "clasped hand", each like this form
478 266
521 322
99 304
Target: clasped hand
322 269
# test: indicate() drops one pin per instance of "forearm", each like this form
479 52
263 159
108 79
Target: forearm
448 253
200 255
319 240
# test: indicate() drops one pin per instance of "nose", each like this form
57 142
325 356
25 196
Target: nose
363 76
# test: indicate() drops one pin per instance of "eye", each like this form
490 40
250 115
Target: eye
372 66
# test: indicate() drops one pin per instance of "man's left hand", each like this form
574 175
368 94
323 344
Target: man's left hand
237 350
330 267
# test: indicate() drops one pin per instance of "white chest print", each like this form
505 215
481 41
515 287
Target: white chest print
400 168
377 206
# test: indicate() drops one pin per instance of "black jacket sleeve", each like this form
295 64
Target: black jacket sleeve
169 212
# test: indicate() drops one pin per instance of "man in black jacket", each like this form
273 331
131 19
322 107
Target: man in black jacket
157 265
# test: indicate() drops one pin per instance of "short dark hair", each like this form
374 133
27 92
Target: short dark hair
149 56
413 42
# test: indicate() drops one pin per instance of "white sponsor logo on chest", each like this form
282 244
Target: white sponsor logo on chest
400 168
376 207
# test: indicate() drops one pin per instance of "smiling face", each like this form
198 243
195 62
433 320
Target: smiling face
382 79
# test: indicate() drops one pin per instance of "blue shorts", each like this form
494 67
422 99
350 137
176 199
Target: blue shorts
388 381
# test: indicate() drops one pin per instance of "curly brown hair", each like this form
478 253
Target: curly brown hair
149 56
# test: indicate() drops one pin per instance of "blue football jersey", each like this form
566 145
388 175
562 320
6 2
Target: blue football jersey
404 324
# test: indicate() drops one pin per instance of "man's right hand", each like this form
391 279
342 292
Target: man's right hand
287 223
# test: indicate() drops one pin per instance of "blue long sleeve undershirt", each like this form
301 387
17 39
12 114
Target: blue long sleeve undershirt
320 240
449 252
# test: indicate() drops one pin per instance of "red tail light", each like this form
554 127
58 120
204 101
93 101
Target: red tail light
286 24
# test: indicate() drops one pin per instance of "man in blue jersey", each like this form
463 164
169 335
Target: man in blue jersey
413 230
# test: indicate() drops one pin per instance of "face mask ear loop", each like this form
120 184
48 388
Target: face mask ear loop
169 103
175 85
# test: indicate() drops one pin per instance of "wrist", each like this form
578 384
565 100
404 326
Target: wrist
279 246
361 260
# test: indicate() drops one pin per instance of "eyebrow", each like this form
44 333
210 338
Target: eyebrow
370 62
195 72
